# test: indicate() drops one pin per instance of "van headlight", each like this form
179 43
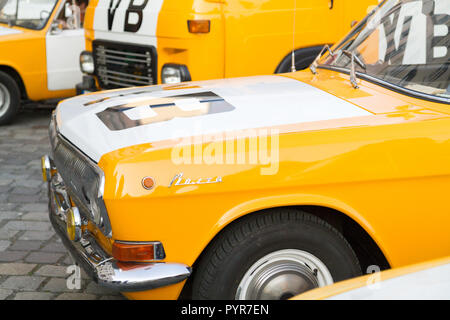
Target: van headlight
175 73
87 62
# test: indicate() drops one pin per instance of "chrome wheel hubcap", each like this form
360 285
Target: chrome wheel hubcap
4 99
283 274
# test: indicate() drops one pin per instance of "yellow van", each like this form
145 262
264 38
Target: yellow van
40 44
145 42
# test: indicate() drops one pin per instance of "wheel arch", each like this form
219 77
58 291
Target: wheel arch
12 72
310 51
355 229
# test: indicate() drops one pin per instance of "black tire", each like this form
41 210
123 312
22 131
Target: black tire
229 257
303 58
10 99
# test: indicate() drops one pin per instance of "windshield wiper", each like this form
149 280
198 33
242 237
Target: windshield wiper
313 66
354 58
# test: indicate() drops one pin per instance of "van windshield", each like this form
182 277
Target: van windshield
403 43
31 14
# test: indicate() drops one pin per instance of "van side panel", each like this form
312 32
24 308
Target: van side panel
202 53
259 34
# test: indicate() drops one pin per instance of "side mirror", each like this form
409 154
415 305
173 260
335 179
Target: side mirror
44 15
55 28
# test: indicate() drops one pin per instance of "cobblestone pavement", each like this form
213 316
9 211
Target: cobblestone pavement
33 261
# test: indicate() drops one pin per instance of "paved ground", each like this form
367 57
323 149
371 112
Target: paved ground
33 262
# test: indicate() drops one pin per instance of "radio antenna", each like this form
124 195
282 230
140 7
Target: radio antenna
293 40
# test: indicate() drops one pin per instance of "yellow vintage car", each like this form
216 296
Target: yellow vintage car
264 187
40 44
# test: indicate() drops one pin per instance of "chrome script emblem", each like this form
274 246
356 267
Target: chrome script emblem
178 180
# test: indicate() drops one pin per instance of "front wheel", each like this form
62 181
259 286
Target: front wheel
9 98
273 255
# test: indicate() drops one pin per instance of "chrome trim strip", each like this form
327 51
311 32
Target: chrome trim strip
104 50
121 83
132 81
109 58
104 61
104 269
117 73
388 85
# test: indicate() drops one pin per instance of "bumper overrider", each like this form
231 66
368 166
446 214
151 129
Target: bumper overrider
103 268
87 85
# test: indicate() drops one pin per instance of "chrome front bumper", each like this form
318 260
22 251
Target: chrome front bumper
101 267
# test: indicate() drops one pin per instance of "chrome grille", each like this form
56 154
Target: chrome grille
120 65
80 177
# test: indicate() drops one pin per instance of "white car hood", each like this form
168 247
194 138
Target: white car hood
100 123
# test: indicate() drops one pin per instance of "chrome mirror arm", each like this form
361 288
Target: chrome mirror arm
353 79
354 58
313 66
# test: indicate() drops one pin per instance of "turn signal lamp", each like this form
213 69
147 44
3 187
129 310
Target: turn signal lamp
47 169
148 183
199 26
137 251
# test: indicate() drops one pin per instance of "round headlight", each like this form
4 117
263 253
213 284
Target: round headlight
87 62
173 73
73 224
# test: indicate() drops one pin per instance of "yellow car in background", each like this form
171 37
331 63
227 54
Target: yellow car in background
423 281
264 187
133 43
40 44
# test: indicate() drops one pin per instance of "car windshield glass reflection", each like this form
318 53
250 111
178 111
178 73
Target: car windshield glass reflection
405 43
30 14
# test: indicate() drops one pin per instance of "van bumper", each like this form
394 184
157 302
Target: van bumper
88 85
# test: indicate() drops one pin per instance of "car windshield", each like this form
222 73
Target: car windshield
403 43
31 14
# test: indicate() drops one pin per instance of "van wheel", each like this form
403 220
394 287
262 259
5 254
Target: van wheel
273 255
9 98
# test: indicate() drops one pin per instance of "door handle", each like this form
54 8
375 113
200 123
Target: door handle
331 4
